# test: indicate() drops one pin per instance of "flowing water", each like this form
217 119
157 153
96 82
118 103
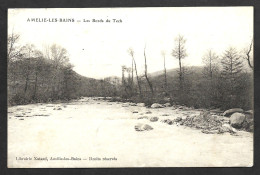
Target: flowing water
93 132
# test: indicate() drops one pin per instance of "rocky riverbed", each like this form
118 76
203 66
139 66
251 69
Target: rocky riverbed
159 136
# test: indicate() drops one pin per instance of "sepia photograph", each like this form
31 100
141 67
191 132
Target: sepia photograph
130 87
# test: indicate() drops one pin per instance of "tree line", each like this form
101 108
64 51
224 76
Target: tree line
46 75
224 81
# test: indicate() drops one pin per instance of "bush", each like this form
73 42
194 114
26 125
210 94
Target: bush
18 99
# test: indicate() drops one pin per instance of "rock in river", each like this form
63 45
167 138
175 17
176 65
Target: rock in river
140 104
167 104
237 119
156 105
154 119
229 112
143 127
178 119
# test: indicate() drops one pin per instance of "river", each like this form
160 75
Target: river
92 132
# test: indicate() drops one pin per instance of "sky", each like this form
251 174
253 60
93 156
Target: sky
98 50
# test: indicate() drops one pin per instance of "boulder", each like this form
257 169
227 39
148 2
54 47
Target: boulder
249 112
148 112
178 119
210 131
229 112
135 111
133 104
237 119
143 127
205 114
125 105
168 121
250 128
249 116
248 124
144 117
216 111
156 105
184 117
141 104
225 128
234 130
167 104
154 119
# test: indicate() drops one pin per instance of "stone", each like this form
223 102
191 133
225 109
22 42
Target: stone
205 114
144 117
167 104
154 119
148 112
156 105
168 121
237 119
141 104
249 112
143 127
125 105
249 116
184 117
216 111
135 111
234 130
210 131
229 112
226 128
251 128
249 124
133 104
178 119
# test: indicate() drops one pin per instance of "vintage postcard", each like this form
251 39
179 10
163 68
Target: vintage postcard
130 87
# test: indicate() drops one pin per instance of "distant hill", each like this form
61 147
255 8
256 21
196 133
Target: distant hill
174 72
93 87
192 71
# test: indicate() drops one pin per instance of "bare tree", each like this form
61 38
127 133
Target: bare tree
59 59
165 73
59 55
179 52
28 55
248 55
13 53
210 61
123 74
124 84
13 50
132 77
131 53
145 73
38 68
